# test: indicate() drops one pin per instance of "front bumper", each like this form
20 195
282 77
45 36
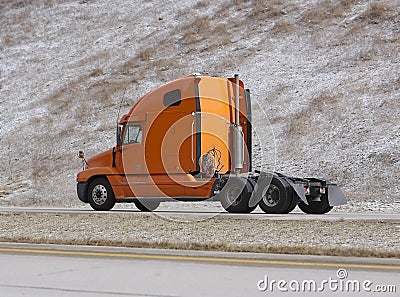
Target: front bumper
82 191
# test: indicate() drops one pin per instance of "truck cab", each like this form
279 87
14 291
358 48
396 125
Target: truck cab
174 143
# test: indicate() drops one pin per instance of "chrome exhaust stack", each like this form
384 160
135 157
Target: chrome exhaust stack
238 137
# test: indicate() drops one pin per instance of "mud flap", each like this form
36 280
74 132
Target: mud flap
336 196
254 198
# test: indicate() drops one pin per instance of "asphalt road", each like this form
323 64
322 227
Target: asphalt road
207 213
29 270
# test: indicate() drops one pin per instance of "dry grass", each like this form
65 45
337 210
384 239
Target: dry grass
15 4
367 55
92 94
93 59
315 238
189 37
222 31
201 25
355 30
146 54
5 190
18 27
195 31
10 187
312 120
22 4
201 4
129 65
282 27
104 91
377 12
264 9
220 246
9 40
381 43
387 159
40 168
96 72
204 34
7 158
323 102
61 101
325 11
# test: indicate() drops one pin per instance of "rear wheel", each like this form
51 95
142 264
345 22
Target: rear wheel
146 206
100 194
235 195
294 203
316 207
275 196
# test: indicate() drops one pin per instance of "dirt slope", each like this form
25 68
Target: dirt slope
326 75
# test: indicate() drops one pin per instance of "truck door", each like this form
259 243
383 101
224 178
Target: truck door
171 143
132 149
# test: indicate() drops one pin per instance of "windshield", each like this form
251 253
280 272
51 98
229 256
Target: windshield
133 134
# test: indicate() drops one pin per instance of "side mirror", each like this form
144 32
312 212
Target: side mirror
81 155
118 135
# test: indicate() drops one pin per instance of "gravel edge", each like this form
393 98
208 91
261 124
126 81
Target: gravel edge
339 238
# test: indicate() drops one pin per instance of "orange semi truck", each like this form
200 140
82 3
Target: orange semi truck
191 140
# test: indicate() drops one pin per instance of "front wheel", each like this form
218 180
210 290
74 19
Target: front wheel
100 194
316 207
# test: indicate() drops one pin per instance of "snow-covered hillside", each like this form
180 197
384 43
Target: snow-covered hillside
325 77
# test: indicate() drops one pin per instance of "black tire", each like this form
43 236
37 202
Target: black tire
147 206
292 206
316 207
275 196
235 195
101 195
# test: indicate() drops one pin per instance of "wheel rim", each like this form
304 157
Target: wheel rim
271 196
99 194
233 195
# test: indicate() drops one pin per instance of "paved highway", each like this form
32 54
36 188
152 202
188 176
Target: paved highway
213 212
62 271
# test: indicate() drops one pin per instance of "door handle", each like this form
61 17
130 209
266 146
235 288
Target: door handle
192 136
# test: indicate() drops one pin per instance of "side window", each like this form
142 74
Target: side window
172 98
133 134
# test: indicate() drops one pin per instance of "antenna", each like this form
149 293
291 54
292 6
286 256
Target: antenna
120 105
